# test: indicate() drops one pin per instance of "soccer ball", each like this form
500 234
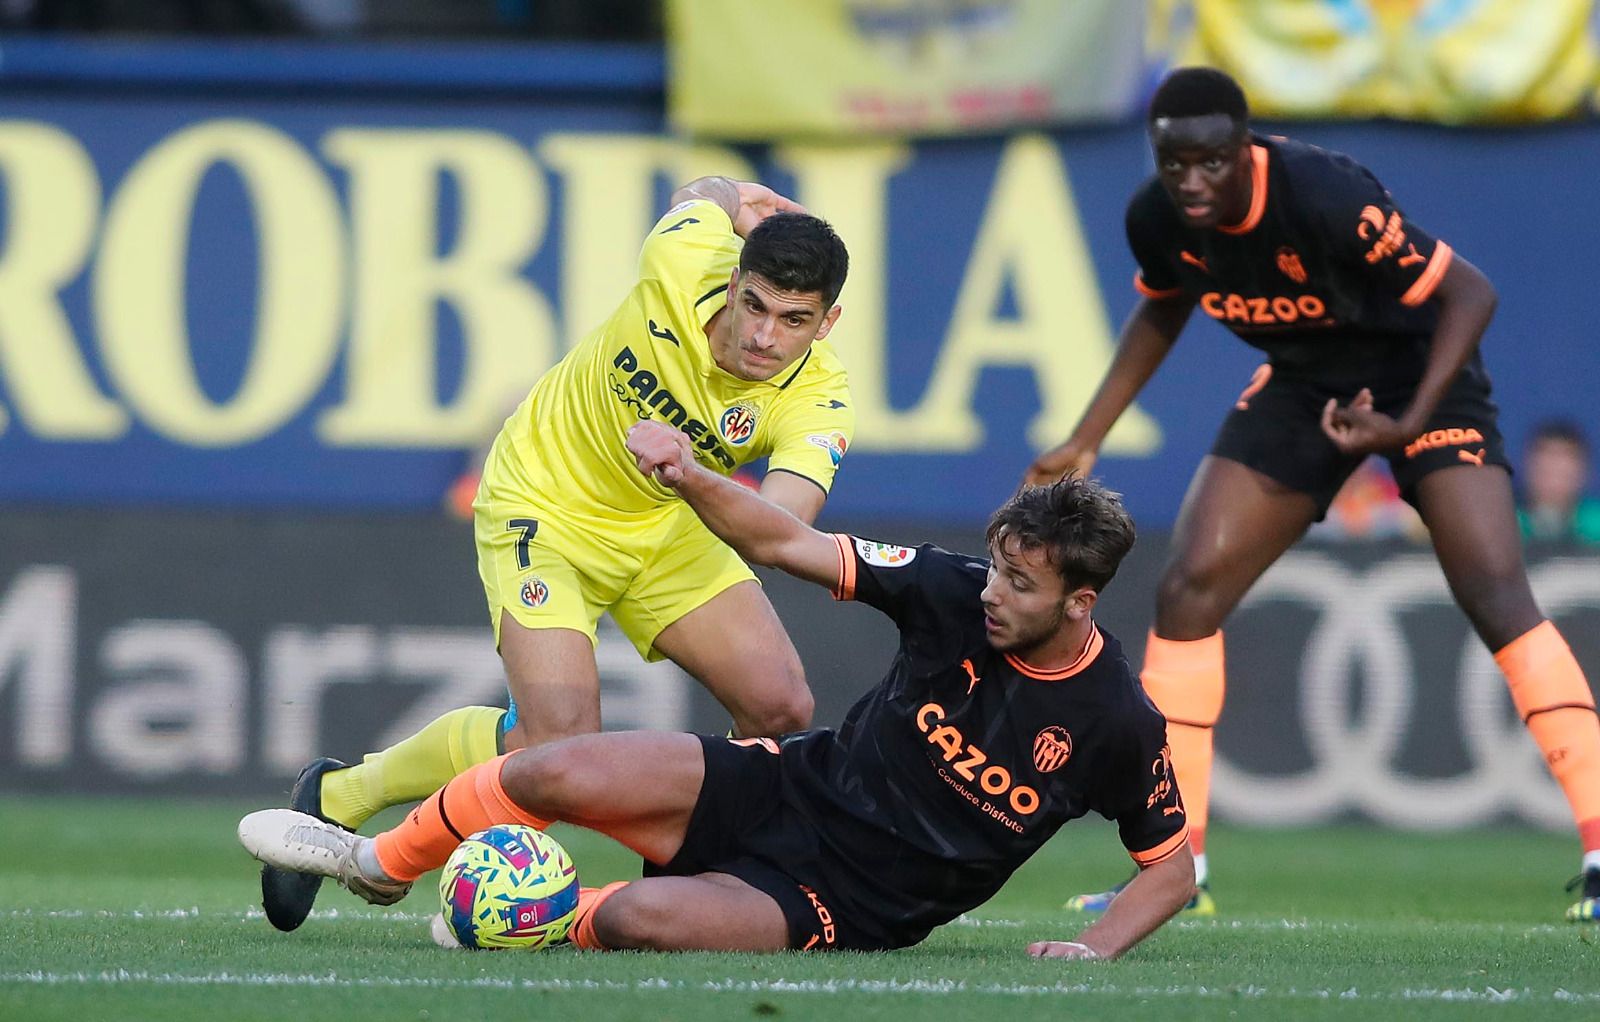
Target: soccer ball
509 886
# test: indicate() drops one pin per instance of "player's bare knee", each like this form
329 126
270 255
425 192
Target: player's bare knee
635 919
791 711
795 712
547 779
1499 604
1189 604
1187 581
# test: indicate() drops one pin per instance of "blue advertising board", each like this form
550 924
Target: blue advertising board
330 300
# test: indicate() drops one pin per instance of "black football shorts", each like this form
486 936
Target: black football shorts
742 826
1276 429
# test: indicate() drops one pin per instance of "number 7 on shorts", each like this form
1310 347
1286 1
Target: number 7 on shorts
529 527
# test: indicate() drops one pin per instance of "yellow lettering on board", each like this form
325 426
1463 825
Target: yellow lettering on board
507 330
139 281
1031 235
608 189
52 199
848 186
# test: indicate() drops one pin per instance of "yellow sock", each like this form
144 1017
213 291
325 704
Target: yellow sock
414 767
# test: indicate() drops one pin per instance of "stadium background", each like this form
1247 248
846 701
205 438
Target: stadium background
262 300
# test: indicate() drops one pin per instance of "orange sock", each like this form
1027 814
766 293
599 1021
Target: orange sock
1186 680
582 932
430 832
1553 698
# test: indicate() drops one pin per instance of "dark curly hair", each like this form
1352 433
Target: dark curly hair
1080 524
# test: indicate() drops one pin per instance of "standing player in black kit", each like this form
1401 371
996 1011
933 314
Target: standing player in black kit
1006 713
1371 330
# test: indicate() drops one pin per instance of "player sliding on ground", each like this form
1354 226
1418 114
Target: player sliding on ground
1371 330
724 335
1006 713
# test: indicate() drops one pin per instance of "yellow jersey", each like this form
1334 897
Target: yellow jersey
565 444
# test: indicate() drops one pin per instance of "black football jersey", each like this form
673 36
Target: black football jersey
963 761
1325 273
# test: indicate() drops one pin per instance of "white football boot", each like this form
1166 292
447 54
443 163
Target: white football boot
439 930
304 844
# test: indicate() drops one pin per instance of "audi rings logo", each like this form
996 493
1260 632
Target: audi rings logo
1388 712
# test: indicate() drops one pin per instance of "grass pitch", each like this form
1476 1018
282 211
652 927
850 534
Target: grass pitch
134 909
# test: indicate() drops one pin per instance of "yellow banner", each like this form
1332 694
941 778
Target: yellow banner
1454 61
747 70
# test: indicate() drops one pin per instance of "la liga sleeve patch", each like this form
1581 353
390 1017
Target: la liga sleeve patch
884 555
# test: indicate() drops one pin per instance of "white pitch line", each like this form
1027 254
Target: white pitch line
1305 925
253 914
1468 995
1347 926
182 914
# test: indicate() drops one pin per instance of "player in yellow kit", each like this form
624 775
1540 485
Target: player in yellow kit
721 337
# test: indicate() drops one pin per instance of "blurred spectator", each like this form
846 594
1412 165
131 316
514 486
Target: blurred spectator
1555 475
1369 506
328 16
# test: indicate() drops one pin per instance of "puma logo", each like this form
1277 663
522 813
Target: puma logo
966 665
1475 459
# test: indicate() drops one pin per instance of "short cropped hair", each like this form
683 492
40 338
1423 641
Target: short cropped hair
1565 431
797 252
1081 525
1197 91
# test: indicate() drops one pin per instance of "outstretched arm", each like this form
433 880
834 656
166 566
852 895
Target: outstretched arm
746 202
794 493
1150 899
762 532
1146 338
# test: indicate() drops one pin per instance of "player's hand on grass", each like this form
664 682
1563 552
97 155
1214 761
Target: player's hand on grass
661 451
1058 461
1358 428
1063 949
756 203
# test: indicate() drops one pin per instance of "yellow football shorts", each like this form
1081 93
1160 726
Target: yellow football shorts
555 568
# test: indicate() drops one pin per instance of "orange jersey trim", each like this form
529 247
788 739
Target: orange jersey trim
1258 193
1091 649
1150 292
1162 852
1426 284
846 588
